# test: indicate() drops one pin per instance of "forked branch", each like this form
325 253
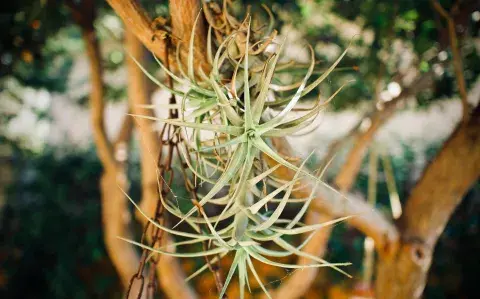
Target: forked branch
139 23
183 14
431 203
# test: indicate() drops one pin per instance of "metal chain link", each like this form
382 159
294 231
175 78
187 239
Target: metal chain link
156 234
171 137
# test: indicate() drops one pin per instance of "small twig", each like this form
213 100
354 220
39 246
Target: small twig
457 59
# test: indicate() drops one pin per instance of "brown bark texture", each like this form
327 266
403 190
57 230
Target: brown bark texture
183 14
137 21
433 200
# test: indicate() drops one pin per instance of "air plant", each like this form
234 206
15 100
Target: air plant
234 103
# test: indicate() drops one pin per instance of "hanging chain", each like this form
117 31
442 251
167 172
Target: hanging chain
165 173
192 189
163 168
171 138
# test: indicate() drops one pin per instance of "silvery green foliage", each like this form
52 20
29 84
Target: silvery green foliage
235 114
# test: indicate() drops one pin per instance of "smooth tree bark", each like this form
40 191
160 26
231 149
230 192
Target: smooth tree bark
113 156
139 23
433 200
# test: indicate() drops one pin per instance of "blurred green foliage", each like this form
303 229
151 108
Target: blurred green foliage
51 232
393 23
25 52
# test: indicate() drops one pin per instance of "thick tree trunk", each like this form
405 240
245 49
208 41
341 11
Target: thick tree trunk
444 183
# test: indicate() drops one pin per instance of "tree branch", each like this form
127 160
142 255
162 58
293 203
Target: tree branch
114 205
353 162
457 58
124 135
371 222
115 223
97 106
433 200
183 14
139 96
138 22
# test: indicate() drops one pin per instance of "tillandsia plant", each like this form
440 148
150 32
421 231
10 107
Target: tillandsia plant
237 104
